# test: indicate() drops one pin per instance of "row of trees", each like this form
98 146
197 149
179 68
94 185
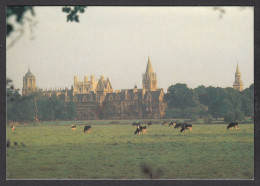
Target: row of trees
182 102
36 107
209 102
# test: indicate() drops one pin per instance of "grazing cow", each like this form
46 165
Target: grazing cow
142 129
164 123
186 127
178 125
149 123
73 127
12 127
87 129
136 124
232 125
172 124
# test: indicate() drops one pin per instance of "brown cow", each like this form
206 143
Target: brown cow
12 127
73 127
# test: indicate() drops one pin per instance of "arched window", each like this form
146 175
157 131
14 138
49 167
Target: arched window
74 98
84 99
118 97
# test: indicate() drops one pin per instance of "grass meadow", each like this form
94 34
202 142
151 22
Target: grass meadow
52 150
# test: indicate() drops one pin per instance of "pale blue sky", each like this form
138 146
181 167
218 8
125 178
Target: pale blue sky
189 45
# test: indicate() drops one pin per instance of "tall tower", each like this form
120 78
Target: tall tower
238 84
149 78
29 83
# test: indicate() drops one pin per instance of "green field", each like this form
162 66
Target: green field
112 151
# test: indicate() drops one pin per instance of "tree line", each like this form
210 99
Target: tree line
35 107
209 103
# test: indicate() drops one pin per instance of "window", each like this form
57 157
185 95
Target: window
111 98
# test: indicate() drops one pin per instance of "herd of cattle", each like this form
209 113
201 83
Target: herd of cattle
143 129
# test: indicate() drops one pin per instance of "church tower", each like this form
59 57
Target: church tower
29 83
149 78
238 84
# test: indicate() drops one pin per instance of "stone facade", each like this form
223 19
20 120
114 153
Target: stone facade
238 84
97 99
134 104
29 84
84 87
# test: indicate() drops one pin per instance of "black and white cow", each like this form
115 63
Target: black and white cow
149 123
140 129
232 125
186 126
87 129
178 125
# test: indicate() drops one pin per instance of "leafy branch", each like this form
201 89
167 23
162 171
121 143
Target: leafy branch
72 12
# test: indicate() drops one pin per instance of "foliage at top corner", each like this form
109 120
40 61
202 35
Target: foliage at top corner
72 12
19 12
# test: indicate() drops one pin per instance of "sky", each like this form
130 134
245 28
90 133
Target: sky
191 45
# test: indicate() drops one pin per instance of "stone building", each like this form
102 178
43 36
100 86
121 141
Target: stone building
29 83
96 99
100 101
85 86
145 103
238 84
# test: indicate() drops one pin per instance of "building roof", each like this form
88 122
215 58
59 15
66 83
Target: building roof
29 74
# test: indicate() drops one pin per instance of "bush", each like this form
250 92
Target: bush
208 118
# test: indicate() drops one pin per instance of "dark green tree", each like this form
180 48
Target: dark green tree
248 101
180 96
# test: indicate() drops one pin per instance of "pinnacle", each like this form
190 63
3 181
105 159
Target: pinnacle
149 68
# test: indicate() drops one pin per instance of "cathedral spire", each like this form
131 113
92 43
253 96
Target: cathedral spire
237 71
149 68
149 78
238 84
